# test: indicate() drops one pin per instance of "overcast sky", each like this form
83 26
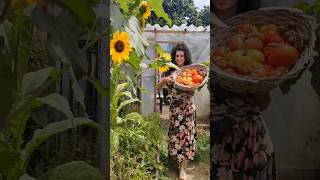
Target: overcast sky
201 3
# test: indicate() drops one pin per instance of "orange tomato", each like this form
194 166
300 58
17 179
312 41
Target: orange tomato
197 78
252 40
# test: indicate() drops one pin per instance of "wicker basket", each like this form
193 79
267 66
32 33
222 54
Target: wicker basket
202 71
277 16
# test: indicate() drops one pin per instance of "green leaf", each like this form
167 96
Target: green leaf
127 93
116 17
81 10
103 91
285 86
63 39
134 116
59 102
125 103
121 87
19 42
115 78
157 7
8 84
77 91
41 135
5 28
60 53
124 4
137 39
33 80
119 120
17 126
75 170
159 49
40 116
18 121
134 61
170 64
10 162
114 141
27 177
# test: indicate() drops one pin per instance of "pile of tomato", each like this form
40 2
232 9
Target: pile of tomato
190 77
257 51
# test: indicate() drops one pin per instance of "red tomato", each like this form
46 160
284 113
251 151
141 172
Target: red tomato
197 78
280 54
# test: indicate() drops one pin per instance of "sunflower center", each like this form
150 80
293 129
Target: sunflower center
119 46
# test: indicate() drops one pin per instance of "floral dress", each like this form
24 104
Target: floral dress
241 148
182 130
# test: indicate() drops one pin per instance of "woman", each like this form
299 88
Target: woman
241 146
182 132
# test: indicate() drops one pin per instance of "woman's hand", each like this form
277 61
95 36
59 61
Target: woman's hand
163 81
168 80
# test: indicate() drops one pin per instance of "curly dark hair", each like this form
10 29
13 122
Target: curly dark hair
187 56
245 5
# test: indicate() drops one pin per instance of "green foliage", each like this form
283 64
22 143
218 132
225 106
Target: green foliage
80 10
42 135
139 42
20 36
157 6
203 149
312 9
33 80
134 147
182 12
75 170
205 16
24 93
135 140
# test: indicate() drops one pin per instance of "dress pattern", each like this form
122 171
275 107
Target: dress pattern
182 130
241 148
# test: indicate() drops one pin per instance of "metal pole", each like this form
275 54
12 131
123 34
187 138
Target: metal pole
104 103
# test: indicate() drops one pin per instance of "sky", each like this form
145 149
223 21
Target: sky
201 3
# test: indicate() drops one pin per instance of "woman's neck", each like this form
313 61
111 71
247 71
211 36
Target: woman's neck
226 14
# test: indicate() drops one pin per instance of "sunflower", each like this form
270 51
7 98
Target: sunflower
164 68
146 9
166 57
120 47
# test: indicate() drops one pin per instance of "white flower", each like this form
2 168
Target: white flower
180 157
177 146
182 127
180 117
143 65
173 152
173 138
176 124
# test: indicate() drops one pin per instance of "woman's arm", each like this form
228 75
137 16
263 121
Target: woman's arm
164 81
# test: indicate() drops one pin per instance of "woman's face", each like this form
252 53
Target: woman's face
224 5
180 58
